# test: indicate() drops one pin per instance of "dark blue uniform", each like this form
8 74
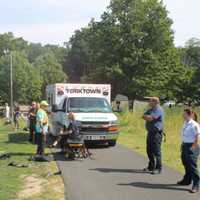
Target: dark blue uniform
154 138
189 155
74 127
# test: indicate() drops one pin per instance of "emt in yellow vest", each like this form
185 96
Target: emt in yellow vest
41 127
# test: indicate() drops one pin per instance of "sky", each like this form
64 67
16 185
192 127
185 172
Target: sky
54 21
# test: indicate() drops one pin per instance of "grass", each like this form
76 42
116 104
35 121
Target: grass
13 180
133 135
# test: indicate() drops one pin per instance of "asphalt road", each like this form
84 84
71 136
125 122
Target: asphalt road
115 174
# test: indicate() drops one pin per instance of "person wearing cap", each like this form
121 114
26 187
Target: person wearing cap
32 120
190 151
154 126
41 127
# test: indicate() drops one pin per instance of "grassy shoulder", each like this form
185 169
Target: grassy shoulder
133 135
33 182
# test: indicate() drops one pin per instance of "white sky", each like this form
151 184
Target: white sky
185 15
54 21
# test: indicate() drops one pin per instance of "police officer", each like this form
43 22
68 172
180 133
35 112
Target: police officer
190 151
154 126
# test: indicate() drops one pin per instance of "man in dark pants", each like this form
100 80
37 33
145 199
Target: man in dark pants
154 125
32 121
190 151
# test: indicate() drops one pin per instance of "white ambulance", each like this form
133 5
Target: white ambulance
91 104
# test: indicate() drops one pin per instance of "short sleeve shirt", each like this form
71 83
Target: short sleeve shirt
41 117
190 131
157 123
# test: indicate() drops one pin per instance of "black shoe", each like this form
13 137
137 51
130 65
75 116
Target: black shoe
183 183
147 170
156 171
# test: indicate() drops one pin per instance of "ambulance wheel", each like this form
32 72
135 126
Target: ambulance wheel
112 143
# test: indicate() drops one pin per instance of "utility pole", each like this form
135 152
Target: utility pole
9 53
11 87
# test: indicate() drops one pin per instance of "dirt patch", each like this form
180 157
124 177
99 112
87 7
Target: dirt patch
57 186
33 186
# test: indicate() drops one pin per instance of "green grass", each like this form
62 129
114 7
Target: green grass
133 135
11 178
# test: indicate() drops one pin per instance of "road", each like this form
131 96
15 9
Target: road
115 174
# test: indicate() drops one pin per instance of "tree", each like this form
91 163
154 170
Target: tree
190 56
5 42
9 42
78 58
34 85
50 70
59 52
26 81
34 66
132 48
34 50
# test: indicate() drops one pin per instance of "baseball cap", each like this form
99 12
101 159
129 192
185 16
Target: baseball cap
44 103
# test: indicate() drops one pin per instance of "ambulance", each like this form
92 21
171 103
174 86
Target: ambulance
91 104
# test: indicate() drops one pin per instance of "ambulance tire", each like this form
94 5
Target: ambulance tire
112 143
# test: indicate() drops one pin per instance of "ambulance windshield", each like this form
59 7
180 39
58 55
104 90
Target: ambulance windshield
88 105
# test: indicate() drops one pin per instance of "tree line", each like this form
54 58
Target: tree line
34 67
131 47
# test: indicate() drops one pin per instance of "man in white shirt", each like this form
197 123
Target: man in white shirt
190 151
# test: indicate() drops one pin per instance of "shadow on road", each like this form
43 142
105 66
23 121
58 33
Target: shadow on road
111 170
59 157
153 186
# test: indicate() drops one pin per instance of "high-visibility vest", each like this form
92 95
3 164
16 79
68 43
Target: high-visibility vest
45 121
